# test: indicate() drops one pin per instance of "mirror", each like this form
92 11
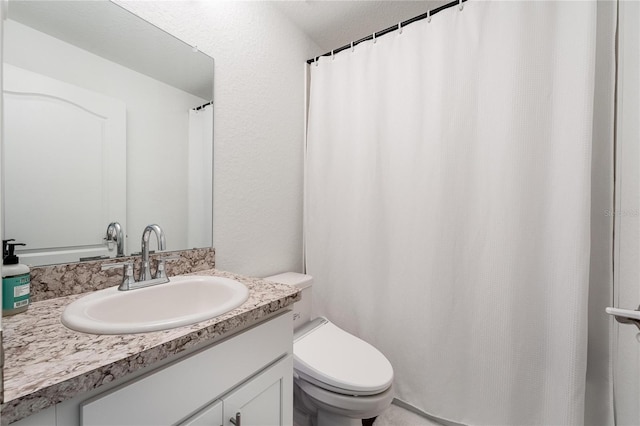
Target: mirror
107 119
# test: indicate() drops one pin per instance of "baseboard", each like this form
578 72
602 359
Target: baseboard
421 413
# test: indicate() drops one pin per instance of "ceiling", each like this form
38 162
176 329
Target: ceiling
332 24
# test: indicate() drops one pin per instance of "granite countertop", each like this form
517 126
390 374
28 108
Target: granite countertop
47 363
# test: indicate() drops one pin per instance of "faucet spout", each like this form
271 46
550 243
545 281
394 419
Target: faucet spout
145 270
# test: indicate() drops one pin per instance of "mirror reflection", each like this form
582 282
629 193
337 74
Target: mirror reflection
108 128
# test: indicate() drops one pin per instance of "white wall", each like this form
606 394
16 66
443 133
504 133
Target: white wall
626 353
258 125
156 159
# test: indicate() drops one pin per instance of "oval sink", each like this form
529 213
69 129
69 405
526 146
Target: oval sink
182 301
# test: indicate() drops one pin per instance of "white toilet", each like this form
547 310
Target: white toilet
339 379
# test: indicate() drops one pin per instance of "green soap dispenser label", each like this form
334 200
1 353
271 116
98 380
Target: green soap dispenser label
16 291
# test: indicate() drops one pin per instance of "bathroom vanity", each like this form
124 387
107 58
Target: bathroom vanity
232 369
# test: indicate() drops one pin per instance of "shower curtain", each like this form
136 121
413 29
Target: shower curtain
447 206
200 177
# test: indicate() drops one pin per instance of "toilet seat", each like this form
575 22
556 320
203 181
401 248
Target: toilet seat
329 357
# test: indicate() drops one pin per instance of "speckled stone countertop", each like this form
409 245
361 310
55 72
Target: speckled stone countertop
47 363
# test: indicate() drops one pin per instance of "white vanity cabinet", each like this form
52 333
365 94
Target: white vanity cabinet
258 402
250 373
210 415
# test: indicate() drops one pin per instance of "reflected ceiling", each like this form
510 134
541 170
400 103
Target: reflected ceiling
116 34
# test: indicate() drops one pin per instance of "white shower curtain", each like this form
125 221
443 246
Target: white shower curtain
448 205
200 177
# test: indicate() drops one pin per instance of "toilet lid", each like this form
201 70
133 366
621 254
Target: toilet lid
347 364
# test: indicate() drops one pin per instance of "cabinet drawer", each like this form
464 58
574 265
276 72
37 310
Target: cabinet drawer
172 393
209 416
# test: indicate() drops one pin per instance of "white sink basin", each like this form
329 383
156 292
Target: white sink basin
182 301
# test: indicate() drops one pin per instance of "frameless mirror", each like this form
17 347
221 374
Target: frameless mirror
107 119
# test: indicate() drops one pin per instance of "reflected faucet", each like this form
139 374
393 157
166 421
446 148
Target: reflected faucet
114 233
145 271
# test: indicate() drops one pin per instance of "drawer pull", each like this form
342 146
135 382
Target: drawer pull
236 421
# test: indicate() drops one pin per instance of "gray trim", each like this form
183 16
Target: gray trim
421 413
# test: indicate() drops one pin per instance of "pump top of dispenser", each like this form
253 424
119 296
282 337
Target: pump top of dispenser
8 255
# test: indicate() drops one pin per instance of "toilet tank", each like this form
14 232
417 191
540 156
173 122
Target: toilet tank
302 308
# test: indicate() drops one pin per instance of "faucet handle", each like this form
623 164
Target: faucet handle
127 273
161 272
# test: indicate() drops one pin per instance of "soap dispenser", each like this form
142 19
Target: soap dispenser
16 281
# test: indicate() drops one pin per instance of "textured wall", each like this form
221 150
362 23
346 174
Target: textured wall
258 126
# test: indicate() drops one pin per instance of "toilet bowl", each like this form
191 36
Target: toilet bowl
339 379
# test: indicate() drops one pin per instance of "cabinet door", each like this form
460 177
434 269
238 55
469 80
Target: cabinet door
210 416
265 400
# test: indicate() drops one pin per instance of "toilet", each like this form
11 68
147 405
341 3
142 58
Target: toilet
339 379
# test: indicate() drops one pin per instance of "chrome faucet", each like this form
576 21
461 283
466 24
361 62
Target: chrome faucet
146 279
114 233
145 270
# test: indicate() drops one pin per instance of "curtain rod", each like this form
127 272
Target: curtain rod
391 29
202 106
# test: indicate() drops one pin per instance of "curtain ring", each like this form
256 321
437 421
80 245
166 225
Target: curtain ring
374 38
351 47
460 5
333 57
400 27
428 16
317 57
